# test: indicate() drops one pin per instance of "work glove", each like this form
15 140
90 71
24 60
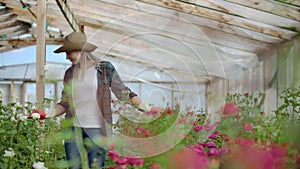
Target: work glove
38 114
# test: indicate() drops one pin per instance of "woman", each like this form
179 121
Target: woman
86 98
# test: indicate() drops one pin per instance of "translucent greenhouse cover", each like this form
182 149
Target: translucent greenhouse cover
27 71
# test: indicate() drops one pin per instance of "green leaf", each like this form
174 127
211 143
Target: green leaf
12 132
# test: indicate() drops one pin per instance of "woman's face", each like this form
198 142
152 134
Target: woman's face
73 56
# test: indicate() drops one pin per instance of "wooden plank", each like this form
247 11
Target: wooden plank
224 18
166 12
248 13
11 29
241 43
40 53
290 2
53 18
6 16
8 23
11 91
33 41
272 6
16 33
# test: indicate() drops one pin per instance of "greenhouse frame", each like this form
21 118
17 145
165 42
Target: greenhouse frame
218 84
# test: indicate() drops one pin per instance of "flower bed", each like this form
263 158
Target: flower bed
245 137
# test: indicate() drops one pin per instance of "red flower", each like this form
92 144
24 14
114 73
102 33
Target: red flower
230 109
41 113
168 111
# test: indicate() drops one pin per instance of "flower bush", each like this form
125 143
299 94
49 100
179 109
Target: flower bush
245 137
23 141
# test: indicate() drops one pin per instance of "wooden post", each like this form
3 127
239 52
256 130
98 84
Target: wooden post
55 91
40 53
24 89
11 93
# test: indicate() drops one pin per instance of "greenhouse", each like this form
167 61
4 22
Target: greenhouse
218 80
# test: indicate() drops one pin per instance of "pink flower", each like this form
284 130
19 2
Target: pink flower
153 111
121 161
113 155
210 144
213 152
211 127
243 142
230 109
143 131
198 128
135 161
181 120
248 127
192 122
223 150
212 136
187 159
199 149
190 113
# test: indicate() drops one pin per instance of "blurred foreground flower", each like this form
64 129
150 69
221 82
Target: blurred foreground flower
230 109
188 159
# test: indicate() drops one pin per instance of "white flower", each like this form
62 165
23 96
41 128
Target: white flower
12 118
39 165
9 153
22 117
35 116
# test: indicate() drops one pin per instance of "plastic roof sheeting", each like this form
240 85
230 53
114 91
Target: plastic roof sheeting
164 40
27 72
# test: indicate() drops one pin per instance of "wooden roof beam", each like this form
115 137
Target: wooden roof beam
8 23
223 18
277 8
6 16
137 8
12 29
290 2
16 33
248 13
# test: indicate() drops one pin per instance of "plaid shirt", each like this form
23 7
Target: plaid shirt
108 80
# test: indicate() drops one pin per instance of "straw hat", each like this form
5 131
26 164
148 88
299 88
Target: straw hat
76 41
